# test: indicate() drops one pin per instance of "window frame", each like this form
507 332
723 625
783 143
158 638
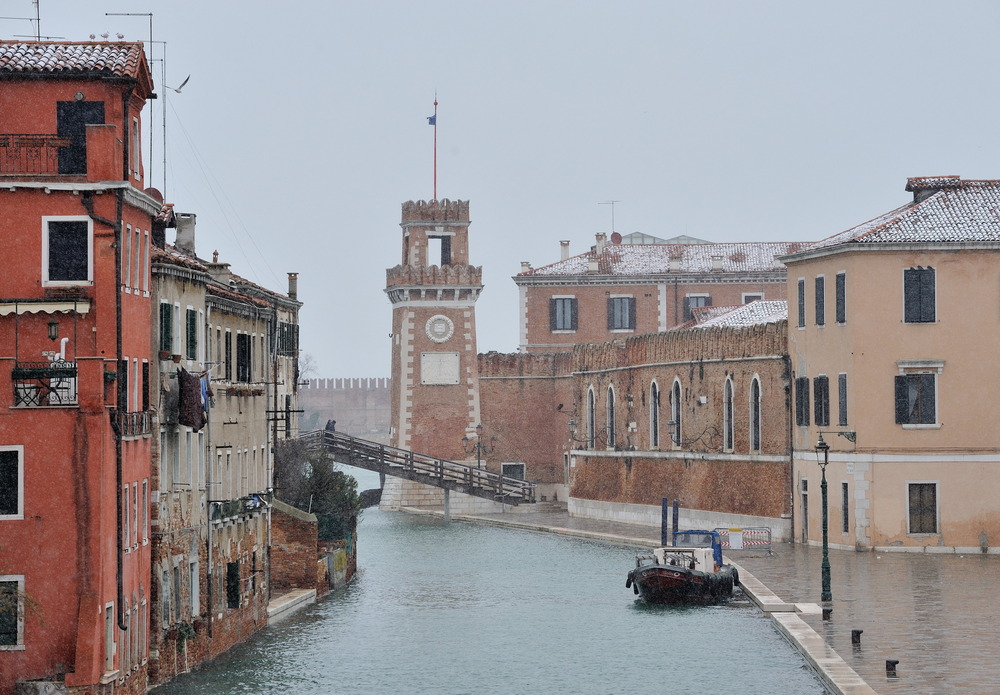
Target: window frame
654 414
842 419
924 373
610 418
728 412
621 313
821 400
18 644
689 307
910 512
820 300
920 295
801 299
18 449
840 292
802 401
558 305
676 413
756 429
47 281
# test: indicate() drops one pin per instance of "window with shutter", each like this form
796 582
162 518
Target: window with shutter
919 295
821 400
842 399
801 296
192 334
841 289
621 313
166 327
562 314
693 301
820 301
915 399
802 401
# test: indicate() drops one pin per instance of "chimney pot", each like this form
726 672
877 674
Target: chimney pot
564 249
293 285
184 240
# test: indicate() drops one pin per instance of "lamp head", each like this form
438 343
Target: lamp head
53 329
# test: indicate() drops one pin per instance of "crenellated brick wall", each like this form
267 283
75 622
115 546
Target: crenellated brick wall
360 406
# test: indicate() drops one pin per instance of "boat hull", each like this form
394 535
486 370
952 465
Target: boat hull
673 584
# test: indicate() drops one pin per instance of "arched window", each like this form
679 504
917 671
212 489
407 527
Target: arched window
654 415
590 419
727 416
611 417
755 414
675 413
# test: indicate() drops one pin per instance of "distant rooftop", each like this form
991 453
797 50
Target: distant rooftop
655 259
640 238
754 313
944 209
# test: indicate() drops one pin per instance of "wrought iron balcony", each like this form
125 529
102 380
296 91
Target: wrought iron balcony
38 384
35 155
135 424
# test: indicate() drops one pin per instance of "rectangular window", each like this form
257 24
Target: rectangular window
136 148
11 611
841 298
820 300
11 483
244 359
122 385
821 400
165 598
288 339
195 589
233 584
923 507
918 295
136 257
845 508
126 524
135 514
66 256
145 385
145 511
228 357
127 256
562 314
693 301
166 327
802 401
842 399
752 297
145 261
915 399
801 296
109 637
512 470
621 313
177 592
192 334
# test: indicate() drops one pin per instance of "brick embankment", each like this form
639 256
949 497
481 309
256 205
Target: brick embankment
834 671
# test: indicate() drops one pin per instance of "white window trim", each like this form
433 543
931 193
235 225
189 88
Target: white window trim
729 419
19 647
20 483
45 251
759 296
655 415
755 407
935 367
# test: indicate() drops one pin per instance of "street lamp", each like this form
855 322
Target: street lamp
823 448
469 446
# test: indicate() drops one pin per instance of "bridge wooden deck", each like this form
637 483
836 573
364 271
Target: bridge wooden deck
429 470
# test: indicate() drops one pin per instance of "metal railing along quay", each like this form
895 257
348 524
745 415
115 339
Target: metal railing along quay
420 468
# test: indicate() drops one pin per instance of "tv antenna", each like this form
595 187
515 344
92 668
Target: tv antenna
612 204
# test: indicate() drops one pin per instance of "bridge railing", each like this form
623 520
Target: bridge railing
353 450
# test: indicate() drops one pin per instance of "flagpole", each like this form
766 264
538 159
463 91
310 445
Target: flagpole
435 147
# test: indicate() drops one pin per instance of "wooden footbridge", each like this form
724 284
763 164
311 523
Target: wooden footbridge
372 456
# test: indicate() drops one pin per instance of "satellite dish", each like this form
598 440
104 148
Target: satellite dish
616 238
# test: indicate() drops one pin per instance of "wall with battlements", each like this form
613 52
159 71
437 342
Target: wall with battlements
360 406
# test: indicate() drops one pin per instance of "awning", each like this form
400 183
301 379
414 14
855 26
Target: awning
45 306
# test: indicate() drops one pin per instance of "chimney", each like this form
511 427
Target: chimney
185 233
716 264
564 250
674 264
293 285
593 265
525 266
923 187
602 239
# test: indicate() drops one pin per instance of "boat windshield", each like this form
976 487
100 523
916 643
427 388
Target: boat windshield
697 539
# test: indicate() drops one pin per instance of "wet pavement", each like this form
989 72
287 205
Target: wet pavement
936 614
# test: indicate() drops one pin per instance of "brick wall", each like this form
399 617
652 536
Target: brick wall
293 548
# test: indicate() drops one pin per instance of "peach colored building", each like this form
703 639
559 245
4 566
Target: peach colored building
892 325
615 290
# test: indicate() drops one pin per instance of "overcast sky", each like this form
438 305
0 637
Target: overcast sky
303 129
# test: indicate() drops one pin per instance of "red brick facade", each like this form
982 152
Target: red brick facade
293 548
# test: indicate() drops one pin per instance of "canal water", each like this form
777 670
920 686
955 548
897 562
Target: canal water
459 608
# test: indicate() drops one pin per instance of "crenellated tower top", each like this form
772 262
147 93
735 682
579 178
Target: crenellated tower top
435 232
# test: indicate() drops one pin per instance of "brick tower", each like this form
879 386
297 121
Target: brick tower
435 373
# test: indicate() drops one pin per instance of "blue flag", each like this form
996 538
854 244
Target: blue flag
432 120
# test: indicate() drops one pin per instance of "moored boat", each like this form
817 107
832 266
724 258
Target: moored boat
692 572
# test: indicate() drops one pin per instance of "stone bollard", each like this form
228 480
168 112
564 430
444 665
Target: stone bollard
827 612
856 636
890 668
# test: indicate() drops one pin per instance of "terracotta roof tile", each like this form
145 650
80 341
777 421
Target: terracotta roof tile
754 313
118 58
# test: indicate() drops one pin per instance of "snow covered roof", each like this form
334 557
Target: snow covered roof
656 259
117 58
945 209
758 312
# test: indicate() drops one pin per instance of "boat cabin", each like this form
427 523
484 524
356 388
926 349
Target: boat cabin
700 559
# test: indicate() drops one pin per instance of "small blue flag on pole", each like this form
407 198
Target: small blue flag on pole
432 120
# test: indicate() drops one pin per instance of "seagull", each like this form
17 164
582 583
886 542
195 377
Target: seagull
105 35
178 89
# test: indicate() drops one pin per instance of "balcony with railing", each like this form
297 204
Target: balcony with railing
39 155
132 424
42 384
224 510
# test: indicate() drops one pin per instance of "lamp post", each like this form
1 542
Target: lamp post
822 448
478 447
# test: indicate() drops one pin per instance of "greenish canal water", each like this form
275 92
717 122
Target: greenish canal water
458 608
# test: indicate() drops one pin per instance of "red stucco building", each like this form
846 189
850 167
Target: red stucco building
75 413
